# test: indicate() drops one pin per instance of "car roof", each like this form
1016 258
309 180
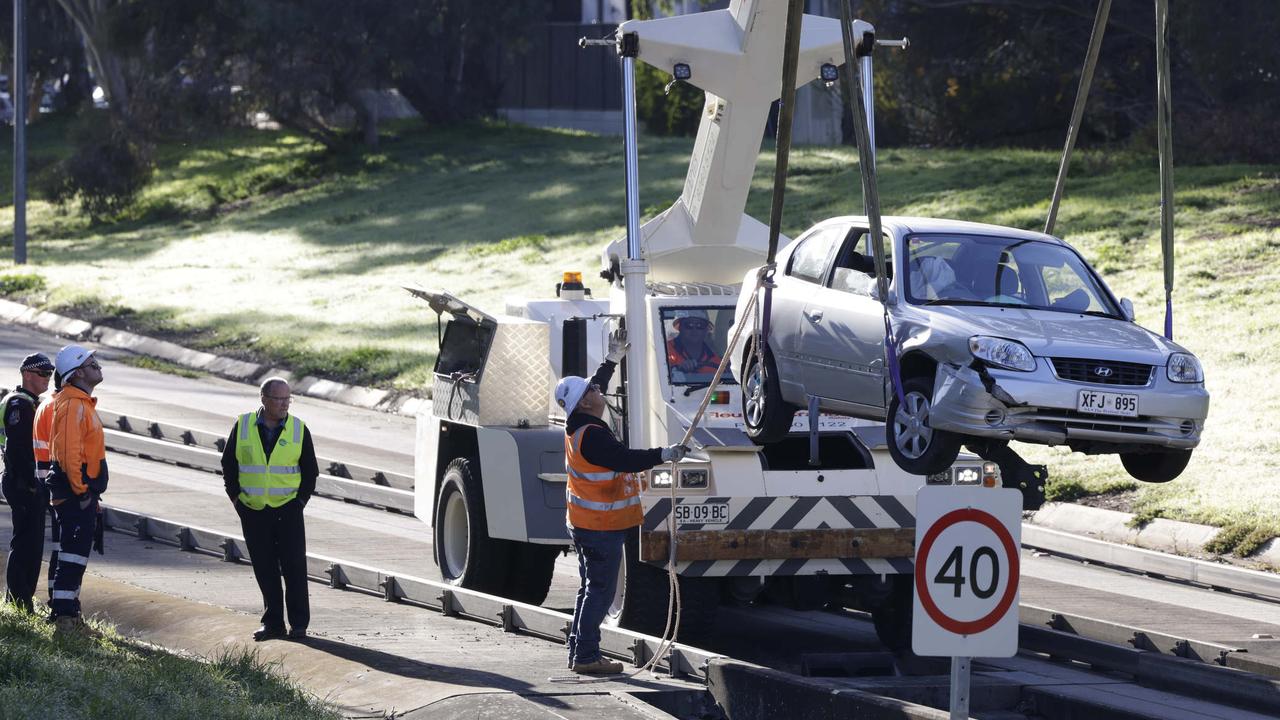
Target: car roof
910 224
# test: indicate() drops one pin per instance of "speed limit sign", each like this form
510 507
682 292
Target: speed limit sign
966 572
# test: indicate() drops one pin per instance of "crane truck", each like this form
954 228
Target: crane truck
823 511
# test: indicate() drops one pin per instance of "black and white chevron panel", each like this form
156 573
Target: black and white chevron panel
790 513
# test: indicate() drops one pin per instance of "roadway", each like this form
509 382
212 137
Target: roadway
777 637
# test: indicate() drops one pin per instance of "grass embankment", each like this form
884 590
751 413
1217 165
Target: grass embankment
255 245
43 675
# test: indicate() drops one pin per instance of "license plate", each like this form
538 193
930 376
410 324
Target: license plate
1106 403
702 513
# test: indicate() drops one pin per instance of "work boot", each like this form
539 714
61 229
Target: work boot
67 624
268 633
297 633
599 667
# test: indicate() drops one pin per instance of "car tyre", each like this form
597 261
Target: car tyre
1155 467
766 416
466 555
916 447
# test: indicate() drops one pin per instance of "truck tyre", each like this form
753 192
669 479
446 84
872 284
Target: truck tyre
1155 467
892 617
465 553
766 416
532 567
916 447
642 596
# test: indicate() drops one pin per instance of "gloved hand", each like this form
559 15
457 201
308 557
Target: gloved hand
618 345
674 453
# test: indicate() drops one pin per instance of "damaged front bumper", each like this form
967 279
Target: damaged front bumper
1040 408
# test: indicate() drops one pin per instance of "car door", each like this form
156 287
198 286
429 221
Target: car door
843 333
803 275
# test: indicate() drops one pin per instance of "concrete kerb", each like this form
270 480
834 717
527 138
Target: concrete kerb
371 398
1173 537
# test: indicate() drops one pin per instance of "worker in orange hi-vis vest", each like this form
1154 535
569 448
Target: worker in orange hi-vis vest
603 498
77 478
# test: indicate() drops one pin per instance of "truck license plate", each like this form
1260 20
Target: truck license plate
702 513
1105 403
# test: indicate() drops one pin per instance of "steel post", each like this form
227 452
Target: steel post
634 269
959 688
18 91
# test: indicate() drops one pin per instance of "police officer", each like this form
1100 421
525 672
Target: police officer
603 503
269 471
27 497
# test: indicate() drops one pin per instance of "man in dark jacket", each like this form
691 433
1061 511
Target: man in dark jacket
27 497
603 503
269 471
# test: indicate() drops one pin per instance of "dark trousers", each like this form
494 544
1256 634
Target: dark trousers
22 573
599 558
77 519
277 541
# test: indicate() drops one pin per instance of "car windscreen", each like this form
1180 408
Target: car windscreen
695 341
945 269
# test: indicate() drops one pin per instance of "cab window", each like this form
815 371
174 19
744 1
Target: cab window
695 343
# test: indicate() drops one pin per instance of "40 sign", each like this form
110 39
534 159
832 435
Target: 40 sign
966 572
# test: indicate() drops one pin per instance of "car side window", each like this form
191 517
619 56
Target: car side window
855 266
809 261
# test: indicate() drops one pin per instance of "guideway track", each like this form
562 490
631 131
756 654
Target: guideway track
1058 640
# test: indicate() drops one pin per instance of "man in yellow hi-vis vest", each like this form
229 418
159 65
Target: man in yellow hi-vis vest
603 499
269 471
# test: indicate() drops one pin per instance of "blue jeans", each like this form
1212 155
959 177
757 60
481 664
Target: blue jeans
599 557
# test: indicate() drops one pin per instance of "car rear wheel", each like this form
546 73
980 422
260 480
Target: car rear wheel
918 448
1155 467
766 416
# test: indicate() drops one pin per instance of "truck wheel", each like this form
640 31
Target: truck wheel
916 447
531 570
465 553
1156 467
766 416
892 617
642 595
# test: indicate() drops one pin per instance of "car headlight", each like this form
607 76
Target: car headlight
1008 354
1185 368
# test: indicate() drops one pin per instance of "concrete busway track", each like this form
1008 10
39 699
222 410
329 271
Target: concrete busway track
369 550
1089 601
1062 604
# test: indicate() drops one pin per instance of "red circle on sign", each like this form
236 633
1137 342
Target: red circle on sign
966 627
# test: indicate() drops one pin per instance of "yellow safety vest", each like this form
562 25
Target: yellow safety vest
598 498
263 485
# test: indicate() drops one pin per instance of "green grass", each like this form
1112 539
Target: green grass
259 246
71 676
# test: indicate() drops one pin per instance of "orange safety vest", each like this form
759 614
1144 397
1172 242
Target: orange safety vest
41 434
598 498
708 363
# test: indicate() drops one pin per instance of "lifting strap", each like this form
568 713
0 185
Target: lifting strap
1077 111
1164 125
870 193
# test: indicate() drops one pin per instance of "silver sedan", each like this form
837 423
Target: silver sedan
1000 334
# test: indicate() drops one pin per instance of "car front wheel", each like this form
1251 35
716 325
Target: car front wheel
918 448
1155 467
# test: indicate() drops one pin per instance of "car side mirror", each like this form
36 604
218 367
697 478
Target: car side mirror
1126 307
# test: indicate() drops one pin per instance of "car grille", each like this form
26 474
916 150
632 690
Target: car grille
1102 372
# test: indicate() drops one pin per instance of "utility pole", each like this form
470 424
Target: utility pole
18 92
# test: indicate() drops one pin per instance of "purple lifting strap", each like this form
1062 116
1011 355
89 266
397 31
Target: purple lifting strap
891 352
1168 316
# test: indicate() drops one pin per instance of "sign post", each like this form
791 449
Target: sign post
966 578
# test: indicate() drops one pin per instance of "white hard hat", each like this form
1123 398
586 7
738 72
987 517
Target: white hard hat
691 313
569 391
70 358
